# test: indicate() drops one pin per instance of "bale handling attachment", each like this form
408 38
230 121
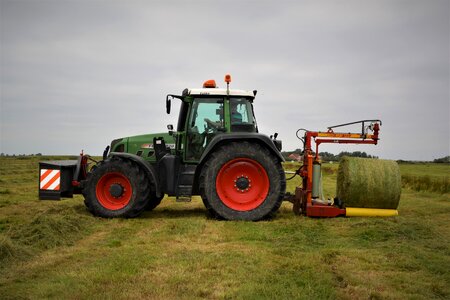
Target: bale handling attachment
307 199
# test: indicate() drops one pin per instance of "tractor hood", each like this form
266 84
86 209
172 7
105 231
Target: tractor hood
141 145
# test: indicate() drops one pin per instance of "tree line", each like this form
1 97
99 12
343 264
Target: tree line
327 156
19 155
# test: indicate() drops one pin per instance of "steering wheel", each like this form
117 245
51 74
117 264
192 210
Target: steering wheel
211 125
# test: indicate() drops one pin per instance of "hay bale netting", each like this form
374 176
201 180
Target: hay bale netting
369 183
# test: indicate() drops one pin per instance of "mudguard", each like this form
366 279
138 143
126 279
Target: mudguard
149 169
262 139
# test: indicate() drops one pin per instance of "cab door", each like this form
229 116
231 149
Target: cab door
205 121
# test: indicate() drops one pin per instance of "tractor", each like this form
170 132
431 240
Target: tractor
216 152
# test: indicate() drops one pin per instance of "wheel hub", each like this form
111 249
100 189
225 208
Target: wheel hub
116 190
242 183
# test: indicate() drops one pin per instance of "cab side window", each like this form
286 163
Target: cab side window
205 119
242 115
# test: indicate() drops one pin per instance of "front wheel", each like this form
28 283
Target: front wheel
117 188
242 181
153 201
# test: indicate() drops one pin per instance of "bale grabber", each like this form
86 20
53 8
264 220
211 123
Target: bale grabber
308 198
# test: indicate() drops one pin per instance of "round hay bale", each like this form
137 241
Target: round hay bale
369 183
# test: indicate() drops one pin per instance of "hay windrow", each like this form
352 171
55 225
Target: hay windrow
10 250
369 183
49 229
52 228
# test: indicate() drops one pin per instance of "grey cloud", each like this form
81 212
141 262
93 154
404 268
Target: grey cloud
76 74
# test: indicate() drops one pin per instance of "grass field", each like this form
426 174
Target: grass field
55 249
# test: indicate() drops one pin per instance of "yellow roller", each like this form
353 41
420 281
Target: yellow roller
370 212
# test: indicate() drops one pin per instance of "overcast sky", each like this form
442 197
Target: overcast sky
77 74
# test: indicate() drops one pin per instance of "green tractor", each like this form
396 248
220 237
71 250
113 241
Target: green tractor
216 152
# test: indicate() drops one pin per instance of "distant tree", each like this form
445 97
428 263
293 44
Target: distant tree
445 159
356 154
326 156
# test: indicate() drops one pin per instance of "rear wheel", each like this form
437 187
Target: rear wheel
242 181
117 188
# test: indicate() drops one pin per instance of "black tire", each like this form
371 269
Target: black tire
131 194
222 197
153 201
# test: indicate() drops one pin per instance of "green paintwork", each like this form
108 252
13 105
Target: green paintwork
144 143
227 114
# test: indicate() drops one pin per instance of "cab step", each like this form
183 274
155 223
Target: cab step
184 199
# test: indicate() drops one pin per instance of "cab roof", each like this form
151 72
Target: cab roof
220 92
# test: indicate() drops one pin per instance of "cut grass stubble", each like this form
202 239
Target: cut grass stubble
55 249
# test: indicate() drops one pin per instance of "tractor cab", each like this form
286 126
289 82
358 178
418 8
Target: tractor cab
208 112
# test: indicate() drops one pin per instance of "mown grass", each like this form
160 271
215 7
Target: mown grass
426 177
55 249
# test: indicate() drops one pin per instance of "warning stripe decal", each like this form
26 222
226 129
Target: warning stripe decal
50 179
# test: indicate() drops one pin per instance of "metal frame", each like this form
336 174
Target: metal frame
303 201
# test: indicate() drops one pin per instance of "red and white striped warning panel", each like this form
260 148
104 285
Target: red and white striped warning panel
50 179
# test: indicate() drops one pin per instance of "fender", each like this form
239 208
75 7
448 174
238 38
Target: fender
148 169
262 139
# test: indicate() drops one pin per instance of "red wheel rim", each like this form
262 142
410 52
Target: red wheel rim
242 184
120 198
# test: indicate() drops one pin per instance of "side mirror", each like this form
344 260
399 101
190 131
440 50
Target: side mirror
170 128
168 104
